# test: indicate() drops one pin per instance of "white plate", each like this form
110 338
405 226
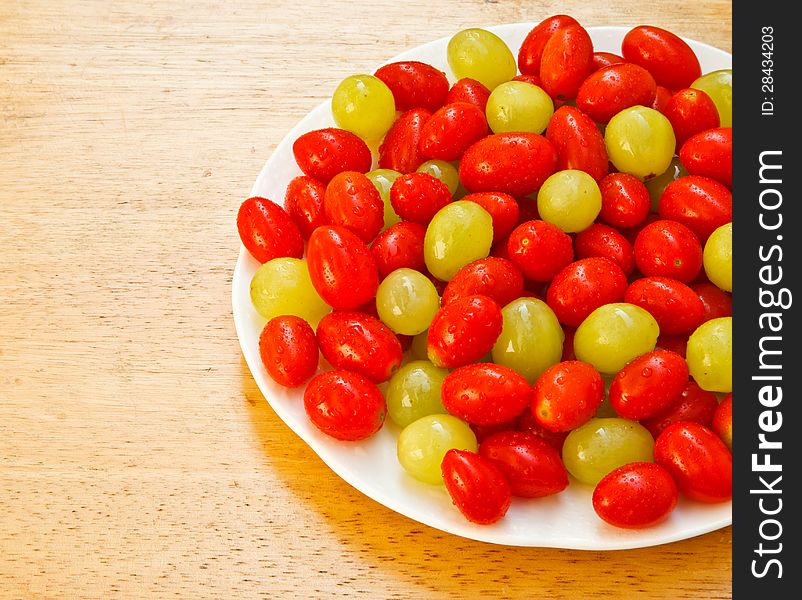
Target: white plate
566 520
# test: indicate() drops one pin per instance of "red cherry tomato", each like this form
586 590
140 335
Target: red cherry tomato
463 331
635 495
514 163
625 200
399 246
578 142
610 90
415 85
631 233
605 59
700 203
502 207
674 305
288 349
665 55
722 421
482 432
668 249
675 343
697 460
693 404
648 384
485 393
344 405
540 249
476 486
567 395
341 267
304 203
533 79
531 50
418 196
709 153
353 202
325 152
690 111
493 277
528 423
583 286
607 242
470 91
566 61
661 97
357 342
451 130
531 465
527 210
400 149
716 302
568 344
267 231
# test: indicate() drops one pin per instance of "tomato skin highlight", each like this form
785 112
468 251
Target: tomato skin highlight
539 249
288 349
344 405
485 393
496 278
267 231
303 201
583 286
566 61
531 50
567 395
451 130
669 59
476 486
608 91
693 404
463 331
648 384
353 202
417 197
673 304
415 84
690 111
666 248
470 91
599 240
399 246
700 203
400 149
635 495
325 152
709 154
578 142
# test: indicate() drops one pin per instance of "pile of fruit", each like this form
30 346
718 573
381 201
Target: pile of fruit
534 283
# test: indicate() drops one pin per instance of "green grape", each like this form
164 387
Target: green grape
458 234
407 301
282 287
414 392
442 170
481 55
718 85
718 257
363 105
423 443
640 141
594 449
383 180
614 334
657 184
569 199
709 355
519 106
531 338
419 348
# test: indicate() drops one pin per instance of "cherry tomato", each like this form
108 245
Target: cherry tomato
700 203
676 343
418 196
502 207
661 97
463 331
288 349
482 432
399 246
722 421
583 286
635 495
566 395
566 61
527 210
353 202
607 242
357 342
344 405
470 91
610 90
665 55
531 50
451 130
668 249
648 384
267 231
631 233
605 59
304 203
533 79
400 149
415 85
674 305
693 404
531 465
625 200
325 152
690 111
539 249
341 267
476 486
528 423
716 302
514 163
709 153
568 344
698 461
485 393
493 277
578 142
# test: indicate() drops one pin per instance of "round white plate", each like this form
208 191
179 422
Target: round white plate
565 520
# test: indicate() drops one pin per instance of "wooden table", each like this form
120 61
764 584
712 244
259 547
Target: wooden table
137 456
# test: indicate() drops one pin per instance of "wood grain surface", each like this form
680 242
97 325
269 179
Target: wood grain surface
137 457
